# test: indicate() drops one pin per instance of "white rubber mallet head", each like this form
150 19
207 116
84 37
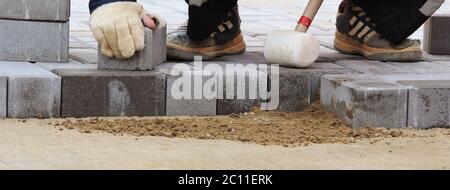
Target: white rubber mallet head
294 48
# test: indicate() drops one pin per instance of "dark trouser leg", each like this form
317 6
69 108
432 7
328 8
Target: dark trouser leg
397 19
203 20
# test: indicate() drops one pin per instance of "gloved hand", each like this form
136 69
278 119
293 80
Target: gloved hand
119 28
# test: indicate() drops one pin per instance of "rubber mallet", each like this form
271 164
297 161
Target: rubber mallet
295 48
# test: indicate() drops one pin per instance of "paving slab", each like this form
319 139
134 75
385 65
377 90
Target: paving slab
153 54
421 67
184 95
371 67
45 10
84 55
32 90
330 55
55 66
241 90
428 104
436 38
3 96
93 93
365 101
34 41
298 88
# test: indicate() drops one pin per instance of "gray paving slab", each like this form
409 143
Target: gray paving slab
84 55
184 95
240 87
92 93
153 54
34 41
32 90
46 10
428 104
56 66
365 101
298 88
436 39
371 67
3 96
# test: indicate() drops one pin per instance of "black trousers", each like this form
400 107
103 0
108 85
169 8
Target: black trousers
203 20
396 20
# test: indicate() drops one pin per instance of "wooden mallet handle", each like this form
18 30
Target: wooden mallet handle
308 15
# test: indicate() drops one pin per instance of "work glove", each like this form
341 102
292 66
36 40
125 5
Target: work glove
119 28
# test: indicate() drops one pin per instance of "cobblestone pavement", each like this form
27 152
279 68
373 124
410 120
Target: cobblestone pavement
258 20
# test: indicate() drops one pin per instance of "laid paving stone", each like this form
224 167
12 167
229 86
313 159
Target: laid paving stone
421 67
365 101
84 55
184 95
3 96
318 70
331 55
256 58
55 66
153 54
436 39
428 104
434 58
372 67
32 90
95 93
241 90
298 88
34 41
46 10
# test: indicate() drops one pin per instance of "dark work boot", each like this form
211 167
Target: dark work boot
226 39
356 35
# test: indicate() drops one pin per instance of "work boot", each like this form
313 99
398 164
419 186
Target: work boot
227 39
356 35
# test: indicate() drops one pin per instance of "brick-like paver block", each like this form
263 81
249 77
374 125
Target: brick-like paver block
94 93
56 66
298 88
45 10
3 96
240 87
32 90
86 55
437 35
428 104
153 54
371 67
184 94
34 41
362 101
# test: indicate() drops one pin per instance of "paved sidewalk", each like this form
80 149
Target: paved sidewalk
258 19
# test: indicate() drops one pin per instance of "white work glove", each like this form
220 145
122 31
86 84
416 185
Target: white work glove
119 28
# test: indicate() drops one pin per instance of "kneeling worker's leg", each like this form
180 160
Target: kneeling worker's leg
379 29
213 29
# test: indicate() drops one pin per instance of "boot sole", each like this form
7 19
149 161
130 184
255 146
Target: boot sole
235 46
349 46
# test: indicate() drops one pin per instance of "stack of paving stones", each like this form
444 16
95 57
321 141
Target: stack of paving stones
32 31
392 95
